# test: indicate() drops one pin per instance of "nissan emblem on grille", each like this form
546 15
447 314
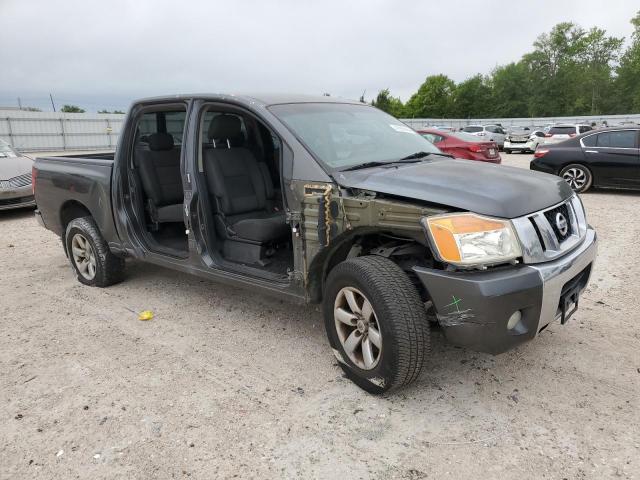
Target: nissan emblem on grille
561 223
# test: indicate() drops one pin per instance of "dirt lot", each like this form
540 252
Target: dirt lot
225 383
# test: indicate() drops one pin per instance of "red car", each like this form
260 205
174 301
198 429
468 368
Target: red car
462 145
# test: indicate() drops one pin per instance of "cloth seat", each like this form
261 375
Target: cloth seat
261 227
159 166
241 188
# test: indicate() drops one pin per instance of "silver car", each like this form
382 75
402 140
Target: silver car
15 179
490 133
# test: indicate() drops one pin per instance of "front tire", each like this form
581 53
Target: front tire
507 151
89 254
376 323
578 177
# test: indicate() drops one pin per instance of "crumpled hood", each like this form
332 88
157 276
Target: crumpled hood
13 166
483 188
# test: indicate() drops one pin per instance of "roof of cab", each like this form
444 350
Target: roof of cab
266 99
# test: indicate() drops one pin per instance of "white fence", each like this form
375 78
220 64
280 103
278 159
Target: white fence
49 131
599 120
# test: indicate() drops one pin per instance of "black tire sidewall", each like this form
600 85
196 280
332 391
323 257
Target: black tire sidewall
378 379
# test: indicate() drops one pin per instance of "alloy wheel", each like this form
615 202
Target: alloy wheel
575 177
83 256
357 327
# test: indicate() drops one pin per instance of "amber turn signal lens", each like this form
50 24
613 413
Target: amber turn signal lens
469 239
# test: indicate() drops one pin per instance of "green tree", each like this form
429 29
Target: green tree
510 88
552 70
627 83
434 98
386 102
472 98
596 57
71 109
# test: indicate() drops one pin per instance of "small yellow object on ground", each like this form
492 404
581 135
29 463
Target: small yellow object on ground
146 315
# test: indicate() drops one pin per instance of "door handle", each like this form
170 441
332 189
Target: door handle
591 151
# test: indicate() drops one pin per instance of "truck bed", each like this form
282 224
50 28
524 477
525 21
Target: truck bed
71 182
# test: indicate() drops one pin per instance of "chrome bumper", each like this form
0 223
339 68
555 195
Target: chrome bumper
557 273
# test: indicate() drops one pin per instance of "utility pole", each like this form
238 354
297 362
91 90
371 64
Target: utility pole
52 104
19 104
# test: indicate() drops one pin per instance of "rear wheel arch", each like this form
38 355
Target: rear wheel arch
71 210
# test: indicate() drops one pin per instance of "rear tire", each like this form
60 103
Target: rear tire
394 312
506 150
90 256
578 177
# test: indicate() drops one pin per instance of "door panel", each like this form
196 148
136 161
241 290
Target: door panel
615 158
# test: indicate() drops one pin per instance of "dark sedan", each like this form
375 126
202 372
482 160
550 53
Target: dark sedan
600 158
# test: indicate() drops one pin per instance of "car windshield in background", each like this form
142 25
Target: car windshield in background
562 130
343 135
467 137
6 150
472 129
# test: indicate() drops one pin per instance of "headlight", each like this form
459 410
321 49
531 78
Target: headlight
467 239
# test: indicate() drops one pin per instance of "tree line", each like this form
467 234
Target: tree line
571 71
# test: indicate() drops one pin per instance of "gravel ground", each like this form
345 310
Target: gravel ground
224 384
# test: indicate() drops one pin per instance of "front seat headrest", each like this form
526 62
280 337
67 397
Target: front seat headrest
226 127
160 141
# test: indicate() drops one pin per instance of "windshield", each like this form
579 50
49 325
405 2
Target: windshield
343 135
6 150
472 129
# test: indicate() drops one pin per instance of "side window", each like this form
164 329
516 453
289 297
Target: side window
539 134
590 141
174 122
162 122
620 139
490 129
584 128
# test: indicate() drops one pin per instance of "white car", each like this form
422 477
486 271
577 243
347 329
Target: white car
523 140
489 133
559 133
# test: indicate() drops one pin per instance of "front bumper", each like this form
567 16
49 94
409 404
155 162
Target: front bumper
16 198
474 307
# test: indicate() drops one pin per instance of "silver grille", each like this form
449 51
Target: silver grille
16 182
541 240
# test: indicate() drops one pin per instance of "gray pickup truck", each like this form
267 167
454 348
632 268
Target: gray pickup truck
327 201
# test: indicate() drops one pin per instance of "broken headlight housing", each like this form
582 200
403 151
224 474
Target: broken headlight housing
470 240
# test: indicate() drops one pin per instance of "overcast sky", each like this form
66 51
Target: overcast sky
102 54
